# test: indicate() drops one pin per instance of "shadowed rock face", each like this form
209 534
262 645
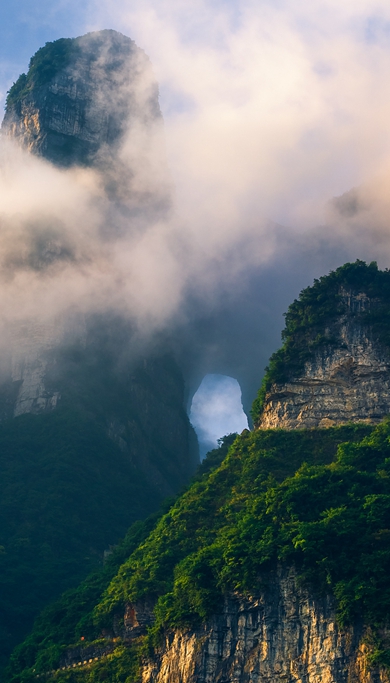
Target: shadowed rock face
81 103
92 101
76 108
347 381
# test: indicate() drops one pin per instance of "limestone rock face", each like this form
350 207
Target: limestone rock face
79 113
92 102
33 343
280 635
346 381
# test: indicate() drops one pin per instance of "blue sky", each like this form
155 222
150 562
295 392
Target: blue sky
26 26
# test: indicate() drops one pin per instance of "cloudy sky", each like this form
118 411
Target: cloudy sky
280 91
271 109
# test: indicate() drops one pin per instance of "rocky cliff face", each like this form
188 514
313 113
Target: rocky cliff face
345 381
282 634
33 342
80 97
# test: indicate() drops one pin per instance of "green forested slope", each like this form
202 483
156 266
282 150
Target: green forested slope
68 490
318 499
67 493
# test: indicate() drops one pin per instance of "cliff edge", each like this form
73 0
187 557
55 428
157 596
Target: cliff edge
281 633
79 97
271 567
334 365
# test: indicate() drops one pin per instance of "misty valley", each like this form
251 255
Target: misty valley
139 543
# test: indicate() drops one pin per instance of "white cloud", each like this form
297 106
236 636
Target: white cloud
271 107
270 110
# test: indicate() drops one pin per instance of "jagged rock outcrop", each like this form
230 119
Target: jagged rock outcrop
81 97
282 634
345 380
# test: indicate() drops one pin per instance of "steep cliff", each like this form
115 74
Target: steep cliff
334 366
81 97
93 428
89 102
273 565
281 633
82 103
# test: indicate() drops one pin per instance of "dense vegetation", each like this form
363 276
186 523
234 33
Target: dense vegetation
310 320
68 491
42 68
70 617
315 499
254 509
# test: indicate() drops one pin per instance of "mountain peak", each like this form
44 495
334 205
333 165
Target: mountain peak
334 365
79 97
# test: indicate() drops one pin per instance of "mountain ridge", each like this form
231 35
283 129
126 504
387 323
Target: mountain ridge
273 563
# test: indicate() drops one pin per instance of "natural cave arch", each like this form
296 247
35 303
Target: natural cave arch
216 410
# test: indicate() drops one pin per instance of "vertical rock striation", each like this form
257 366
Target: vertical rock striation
344 380
281 635
81 97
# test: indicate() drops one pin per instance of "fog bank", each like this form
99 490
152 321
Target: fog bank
270 112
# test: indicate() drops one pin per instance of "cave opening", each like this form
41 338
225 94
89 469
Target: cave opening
216 410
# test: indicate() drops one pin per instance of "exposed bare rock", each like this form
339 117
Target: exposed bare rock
346 381
32 345
281 635
102 84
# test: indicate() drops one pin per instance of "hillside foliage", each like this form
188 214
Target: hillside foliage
315 499
69 491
